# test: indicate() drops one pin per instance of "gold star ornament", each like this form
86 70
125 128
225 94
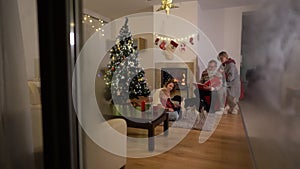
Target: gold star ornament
167 5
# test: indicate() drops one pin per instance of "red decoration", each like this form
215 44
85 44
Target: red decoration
143 105
163 45
113 68
192 40
174 44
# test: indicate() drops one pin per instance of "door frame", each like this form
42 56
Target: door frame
57 59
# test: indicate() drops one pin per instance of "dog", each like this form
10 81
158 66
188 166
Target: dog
197 102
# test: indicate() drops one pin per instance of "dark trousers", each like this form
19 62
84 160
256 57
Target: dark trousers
198 102
208 98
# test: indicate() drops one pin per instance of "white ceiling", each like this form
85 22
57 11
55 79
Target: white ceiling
114 9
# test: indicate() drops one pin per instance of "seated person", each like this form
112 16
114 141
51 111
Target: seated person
165 99
210 82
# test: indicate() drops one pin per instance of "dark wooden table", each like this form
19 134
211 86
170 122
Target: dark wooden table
148 120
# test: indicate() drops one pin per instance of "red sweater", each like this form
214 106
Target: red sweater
167 103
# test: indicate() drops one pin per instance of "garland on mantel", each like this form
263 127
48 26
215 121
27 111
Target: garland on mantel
165 42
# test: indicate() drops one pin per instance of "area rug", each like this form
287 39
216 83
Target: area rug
191 119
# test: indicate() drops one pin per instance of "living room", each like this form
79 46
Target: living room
89 78
190 42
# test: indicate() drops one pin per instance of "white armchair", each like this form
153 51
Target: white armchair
95 157
36 119
36 116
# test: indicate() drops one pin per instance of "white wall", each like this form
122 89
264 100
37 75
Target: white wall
233 33
211 22
187 10
233 30
224 28
29 26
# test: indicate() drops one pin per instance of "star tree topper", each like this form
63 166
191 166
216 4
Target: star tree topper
167 5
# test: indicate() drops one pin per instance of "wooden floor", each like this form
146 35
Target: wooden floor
227 148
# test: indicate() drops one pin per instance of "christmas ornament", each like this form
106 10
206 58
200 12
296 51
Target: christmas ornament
156 41
170 49
131 63
167 5
173 45
182 47
143 105
191 40
163 45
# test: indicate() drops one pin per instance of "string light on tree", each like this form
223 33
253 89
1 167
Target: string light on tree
124 77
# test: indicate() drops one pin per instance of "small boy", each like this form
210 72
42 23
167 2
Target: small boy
233 83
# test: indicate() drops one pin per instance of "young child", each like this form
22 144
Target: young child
233 83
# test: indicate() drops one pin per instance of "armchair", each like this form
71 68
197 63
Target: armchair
95 157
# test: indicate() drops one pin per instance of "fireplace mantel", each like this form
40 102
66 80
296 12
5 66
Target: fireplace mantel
189 66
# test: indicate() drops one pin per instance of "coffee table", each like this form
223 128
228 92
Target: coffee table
148 120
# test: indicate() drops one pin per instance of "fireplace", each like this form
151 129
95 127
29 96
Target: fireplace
182 72
178 74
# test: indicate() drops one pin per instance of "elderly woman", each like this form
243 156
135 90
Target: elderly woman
165 99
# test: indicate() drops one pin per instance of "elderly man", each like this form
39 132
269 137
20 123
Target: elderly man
212 80
210 83
209 73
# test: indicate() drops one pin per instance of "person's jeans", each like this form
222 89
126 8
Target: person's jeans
173 116
232 102
208 97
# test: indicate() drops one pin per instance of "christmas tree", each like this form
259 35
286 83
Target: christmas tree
124 77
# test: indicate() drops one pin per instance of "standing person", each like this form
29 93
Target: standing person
208 94
165 99
233 83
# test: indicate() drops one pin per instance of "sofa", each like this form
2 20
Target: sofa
36 115
36 119
95 157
